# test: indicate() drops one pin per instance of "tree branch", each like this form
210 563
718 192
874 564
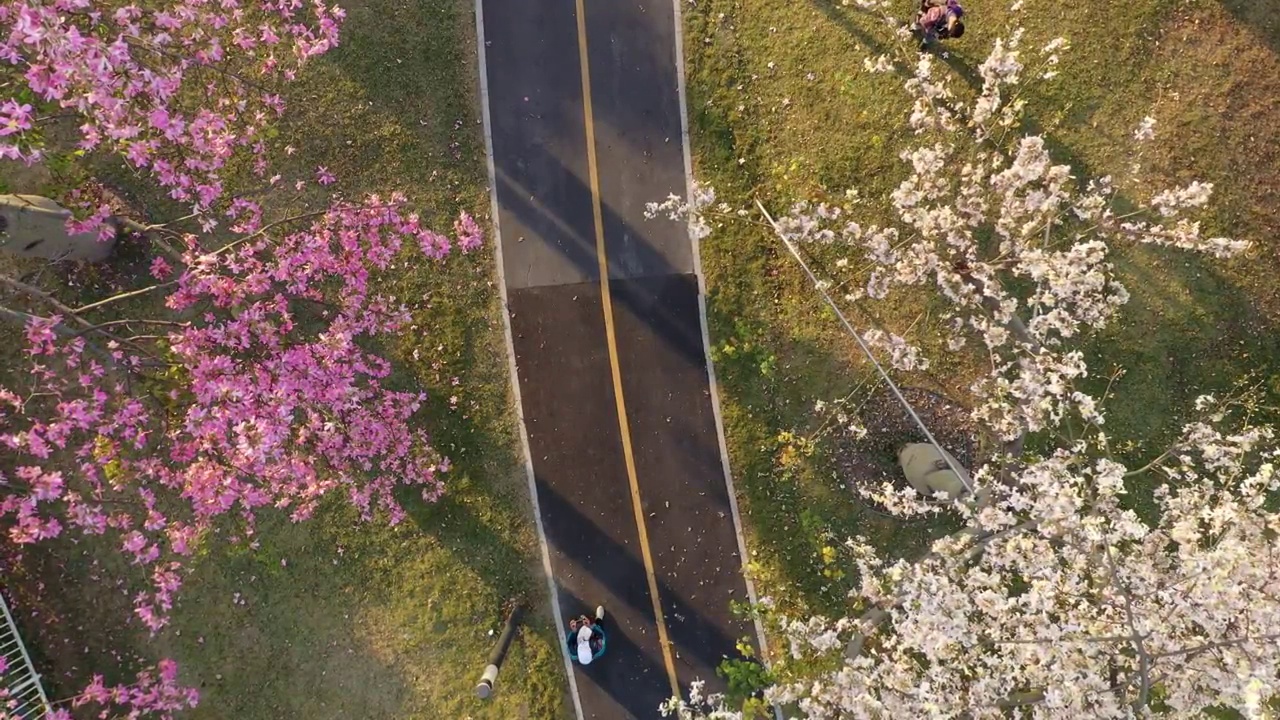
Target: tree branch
1174 448
1144 658
982 542
1087 639
264 229
1014 325
22 319
42 296
111 323
146 231
123 296
872 618
869 621
71 314
1216 645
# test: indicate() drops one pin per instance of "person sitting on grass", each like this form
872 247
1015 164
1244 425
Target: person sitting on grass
939 20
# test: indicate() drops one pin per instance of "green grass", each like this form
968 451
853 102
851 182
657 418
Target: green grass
340 619
780 109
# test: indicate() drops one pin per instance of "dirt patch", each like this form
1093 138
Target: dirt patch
873 458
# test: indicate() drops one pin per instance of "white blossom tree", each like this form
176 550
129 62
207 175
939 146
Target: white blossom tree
1057 600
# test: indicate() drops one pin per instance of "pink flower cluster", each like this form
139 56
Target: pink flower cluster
174 86
270 397
154 693
470 236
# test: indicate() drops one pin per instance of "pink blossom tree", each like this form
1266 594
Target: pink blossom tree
257 388
247 375
174 87
1057 599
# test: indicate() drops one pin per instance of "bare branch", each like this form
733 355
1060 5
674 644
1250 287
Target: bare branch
1144 658
1217 645
71 314
38 294
264 229
1172 449
22 319
134 321
123 296
1086 639
1018 328
148 231
276 223
983 541
873 617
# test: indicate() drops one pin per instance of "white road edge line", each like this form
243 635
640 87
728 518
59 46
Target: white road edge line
554 596
706 336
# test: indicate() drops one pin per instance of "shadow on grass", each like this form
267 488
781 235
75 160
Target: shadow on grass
841 15
410 123
1188 329
963 68
769 370
1263 18
392 108
796 505
257 637
473 523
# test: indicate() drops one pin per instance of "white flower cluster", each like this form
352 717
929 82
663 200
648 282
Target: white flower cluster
933 98
1065 603
1032 393
1052 240
1002 67
1146 129
902 355
1058 600
691 210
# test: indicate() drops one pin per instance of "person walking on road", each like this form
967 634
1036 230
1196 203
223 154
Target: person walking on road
586 637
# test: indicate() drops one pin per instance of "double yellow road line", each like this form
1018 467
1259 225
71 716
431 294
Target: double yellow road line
623 425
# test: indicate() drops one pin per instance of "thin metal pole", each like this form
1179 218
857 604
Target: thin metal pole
946 457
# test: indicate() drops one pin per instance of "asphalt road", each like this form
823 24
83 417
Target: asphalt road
611 475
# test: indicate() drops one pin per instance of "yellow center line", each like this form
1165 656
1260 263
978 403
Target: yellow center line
607 300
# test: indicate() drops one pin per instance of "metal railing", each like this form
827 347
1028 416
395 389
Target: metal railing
19 681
